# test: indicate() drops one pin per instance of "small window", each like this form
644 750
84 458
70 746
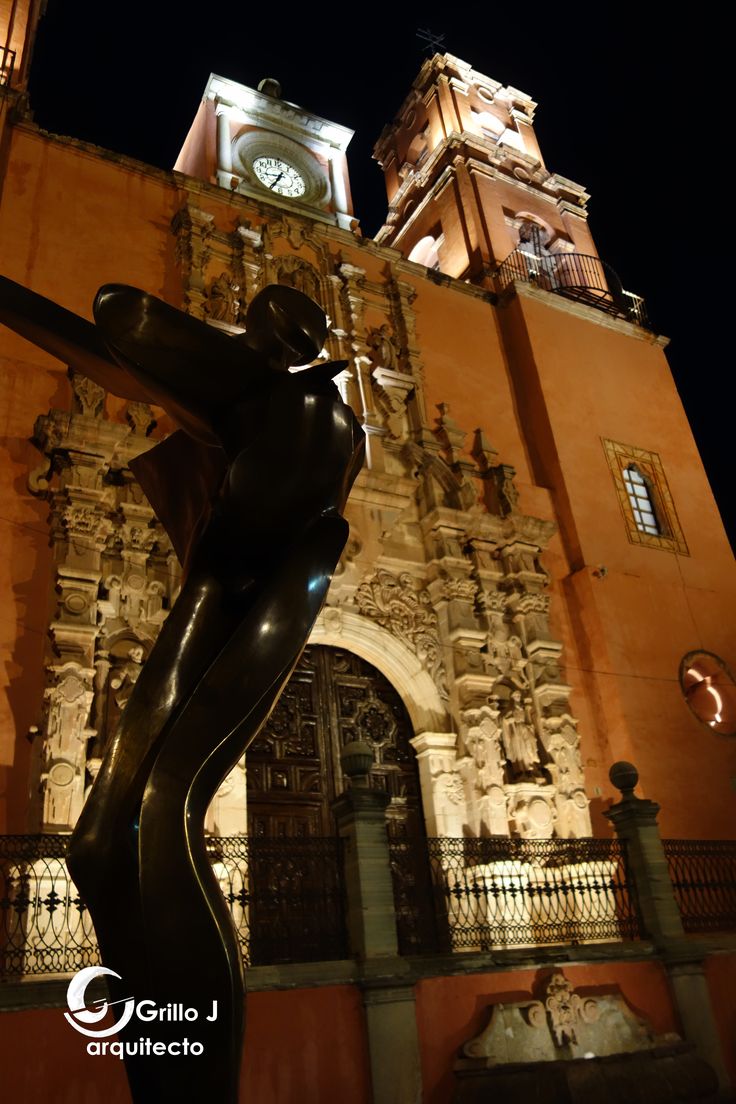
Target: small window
640 499
644 497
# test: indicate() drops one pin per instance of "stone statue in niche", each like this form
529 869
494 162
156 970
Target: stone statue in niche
298 274
506 659
223 302
519 737
383 347
124 677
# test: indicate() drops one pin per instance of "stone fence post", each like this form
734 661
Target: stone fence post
635 822
388 992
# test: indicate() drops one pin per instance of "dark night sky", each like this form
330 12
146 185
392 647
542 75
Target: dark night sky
630 107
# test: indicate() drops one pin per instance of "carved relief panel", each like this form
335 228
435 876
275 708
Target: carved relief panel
115 580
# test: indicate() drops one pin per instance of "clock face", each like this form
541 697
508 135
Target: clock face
279 177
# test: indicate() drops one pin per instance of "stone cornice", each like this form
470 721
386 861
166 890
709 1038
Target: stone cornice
580 310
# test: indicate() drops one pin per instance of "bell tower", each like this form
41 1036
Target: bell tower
18 24
253 142
466 180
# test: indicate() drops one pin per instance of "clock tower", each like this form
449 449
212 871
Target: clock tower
253 142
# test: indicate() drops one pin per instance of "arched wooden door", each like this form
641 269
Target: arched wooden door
293 768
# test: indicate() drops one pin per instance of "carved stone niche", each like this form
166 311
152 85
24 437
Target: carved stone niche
568 1046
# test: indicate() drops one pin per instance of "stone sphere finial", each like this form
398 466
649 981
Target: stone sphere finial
270 87
624 777
356 759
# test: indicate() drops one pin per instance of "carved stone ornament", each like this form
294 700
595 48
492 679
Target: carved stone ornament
397 605
139 417
563 1024
450 788
223 300
482 741
565 1008
89 397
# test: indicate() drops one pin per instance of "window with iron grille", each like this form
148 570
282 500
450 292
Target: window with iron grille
644 497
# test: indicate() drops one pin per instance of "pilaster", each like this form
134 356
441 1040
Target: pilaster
635 822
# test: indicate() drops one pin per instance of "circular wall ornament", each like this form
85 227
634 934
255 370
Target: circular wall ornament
709 689
485 94
76 603
61 774
276 164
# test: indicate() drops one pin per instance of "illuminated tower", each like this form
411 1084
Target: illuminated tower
18 22
603 430
253 142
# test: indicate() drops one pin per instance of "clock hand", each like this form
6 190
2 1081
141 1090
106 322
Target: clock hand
272 186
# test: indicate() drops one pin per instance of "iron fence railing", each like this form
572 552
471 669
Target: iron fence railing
496 892
285 897
45 927
703 875
576 276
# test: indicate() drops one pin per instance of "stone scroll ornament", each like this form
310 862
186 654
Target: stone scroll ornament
250 489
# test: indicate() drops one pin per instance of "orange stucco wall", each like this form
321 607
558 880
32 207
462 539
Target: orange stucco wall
577 382
451 1010
301 1047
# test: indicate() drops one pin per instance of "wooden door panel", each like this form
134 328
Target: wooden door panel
294 772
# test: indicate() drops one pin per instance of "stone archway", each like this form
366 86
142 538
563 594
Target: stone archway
343 628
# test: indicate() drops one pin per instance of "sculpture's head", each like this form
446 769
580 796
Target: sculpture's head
285 326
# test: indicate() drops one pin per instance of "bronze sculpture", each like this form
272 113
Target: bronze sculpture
250 490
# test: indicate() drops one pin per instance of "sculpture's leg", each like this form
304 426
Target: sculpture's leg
193 951
103 852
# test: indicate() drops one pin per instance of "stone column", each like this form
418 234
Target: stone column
635 822
442 789
388 994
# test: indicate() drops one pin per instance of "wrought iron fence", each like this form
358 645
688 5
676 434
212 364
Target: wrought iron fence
285 897
45 927
576 276
703 875
485 894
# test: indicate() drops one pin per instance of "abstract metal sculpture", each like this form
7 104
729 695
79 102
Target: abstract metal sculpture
250 490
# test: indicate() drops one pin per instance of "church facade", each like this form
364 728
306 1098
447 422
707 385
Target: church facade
536 580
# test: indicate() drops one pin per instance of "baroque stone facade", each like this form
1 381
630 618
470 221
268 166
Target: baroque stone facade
442 561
